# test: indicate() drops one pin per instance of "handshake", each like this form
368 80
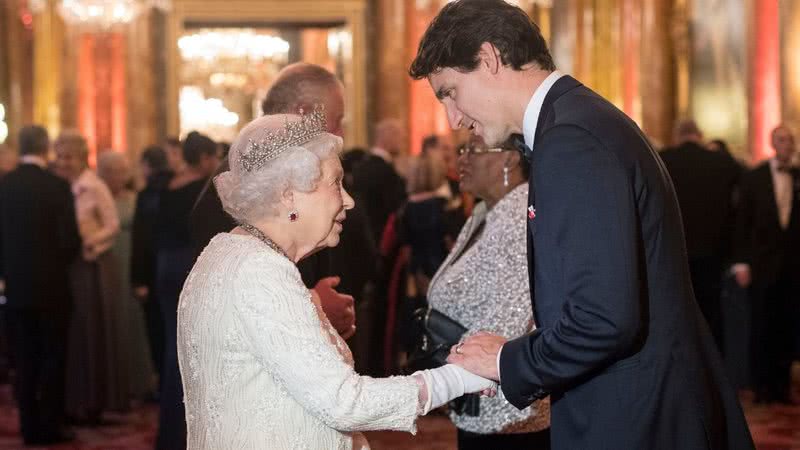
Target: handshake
472 369
449 382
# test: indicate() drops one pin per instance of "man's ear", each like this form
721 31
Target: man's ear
489 57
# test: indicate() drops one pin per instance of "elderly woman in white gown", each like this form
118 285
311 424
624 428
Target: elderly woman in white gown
262 366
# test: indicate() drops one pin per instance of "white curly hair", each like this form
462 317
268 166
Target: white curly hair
252 196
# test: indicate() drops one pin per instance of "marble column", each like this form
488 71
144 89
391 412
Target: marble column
425 114
790 62
19 57
657 71
102 92
584 37
606 51
631 37
142 102
765 84
391 85
48 30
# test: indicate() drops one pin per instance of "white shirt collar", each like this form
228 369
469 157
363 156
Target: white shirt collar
531 117
377 151
34 159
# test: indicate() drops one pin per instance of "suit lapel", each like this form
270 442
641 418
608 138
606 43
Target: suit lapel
561 87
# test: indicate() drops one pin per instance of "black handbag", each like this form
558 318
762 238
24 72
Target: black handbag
436 334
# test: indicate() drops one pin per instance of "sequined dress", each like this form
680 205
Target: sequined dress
263 368
485 288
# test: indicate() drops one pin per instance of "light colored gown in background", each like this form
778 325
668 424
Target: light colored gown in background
262 367
134 352
95 382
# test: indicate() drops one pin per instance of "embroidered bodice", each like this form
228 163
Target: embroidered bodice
263 368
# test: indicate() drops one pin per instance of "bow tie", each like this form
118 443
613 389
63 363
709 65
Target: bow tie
518 141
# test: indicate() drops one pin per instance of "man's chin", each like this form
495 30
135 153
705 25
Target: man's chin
493 140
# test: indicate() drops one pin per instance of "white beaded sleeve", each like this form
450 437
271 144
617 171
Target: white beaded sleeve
289 340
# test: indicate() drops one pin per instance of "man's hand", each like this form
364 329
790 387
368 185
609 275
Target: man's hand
478 354
742 274
338 307
141 293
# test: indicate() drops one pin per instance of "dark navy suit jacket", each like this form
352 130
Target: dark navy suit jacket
620 346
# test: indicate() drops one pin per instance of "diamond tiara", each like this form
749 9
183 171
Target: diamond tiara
274 143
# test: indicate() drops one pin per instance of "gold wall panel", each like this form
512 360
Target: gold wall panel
48 56
790 62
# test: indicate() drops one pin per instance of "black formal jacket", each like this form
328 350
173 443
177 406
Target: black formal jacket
38 239
143 248
620 345
704 183
381 189
770 250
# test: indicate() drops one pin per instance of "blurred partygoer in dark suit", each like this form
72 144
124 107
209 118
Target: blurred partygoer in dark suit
704 183
174 253
157 174
38 241
768 252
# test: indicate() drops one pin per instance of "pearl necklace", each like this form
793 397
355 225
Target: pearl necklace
255 232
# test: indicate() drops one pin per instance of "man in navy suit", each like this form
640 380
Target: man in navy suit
621 346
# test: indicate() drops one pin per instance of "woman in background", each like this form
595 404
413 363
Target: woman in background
94 379
133 355
483 285
175 255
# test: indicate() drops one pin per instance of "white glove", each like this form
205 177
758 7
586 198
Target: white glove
449 382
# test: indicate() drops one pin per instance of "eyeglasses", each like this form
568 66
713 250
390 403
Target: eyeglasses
472 149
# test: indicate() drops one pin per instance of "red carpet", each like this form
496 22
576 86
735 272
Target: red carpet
774 427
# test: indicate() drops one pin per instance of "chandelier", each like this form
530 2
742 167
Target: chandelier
212 45
102 14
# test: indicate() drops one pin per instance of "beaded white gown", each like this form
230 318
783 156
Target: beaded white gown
263 368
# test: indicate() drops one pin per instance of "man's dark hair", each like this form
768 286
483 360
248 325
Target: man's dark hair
195 146
429 142
454 37
301 84
156 158
33 140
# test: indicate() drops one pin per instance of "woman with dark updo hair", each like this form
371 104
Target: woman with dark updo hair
174 258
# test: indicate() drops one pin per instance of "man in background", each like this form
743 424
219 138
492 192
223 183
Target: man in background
704 182
38 241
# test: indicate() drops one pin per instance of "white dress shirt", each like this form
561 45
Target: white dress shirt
782 184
